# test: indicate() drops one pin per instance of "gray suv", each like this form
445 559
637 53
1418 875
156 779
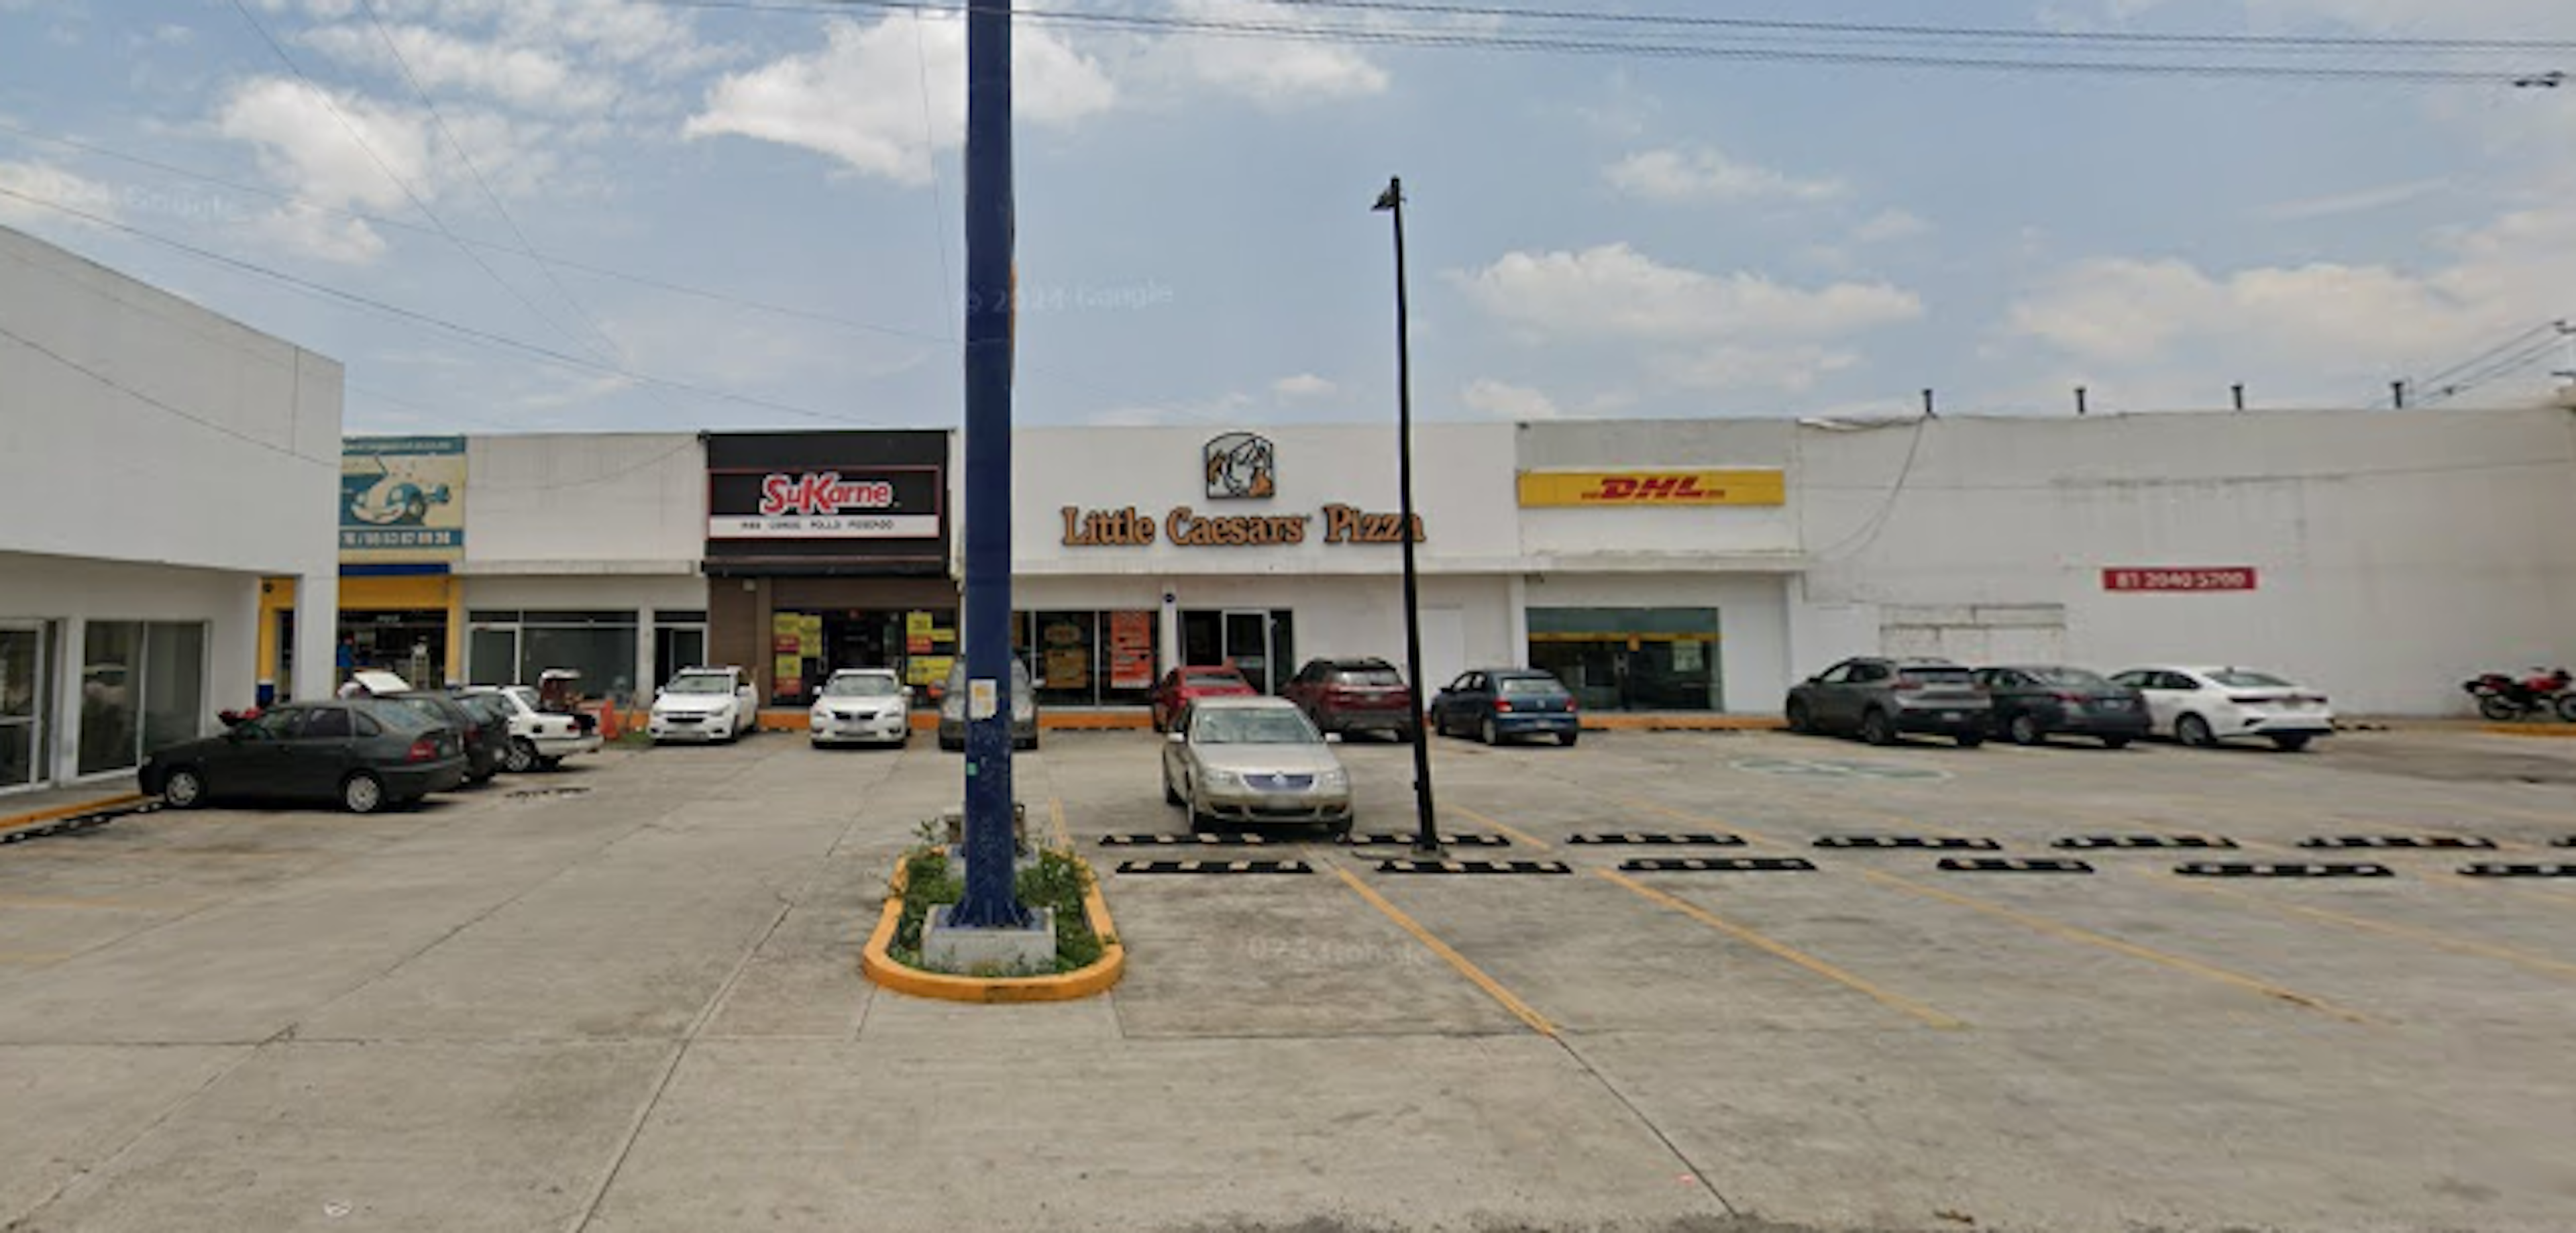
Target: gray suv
1880 699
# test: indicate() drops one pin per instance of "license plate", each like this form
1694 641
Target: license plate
1952 716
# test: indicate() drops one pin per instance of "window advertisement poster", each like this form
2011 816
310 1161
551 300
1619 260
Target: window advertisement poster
1068 652
788 675
917 627
927 669
402 499
1131 650
786 634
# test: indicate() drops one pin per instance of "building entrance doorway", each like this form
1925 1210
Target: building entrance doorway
1261 644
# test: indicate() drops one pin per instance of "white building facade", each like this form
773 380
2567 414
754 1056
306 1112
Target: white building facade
157 463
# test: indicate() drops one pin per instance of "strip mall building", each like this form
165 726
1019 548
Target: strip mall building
1654 565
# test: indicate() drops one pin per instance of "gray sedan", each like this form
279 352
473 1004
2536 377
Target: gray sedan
1243 760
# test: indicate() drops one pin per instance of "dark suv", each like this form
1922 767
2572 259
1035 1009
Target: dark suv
1354 695
1880 699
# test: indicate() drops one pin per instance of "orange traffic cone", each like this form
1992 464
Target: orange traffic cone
608 721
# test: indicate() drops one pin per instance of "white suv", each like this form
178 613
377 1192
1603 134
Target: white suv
704 704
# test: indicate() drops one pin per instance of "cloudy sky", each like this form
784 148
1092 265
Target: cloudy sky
597 214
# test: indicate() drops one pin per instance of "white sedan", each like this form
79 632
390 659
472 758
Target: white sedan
2203 706
703 704
862 705
539 739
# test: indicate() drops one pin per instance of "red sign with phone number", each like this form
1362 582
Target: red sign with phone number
2228 578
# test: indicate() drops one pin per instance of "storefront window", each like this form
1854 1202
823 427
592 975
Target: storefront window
679 642
410 643
25 690
806 648
1259 643
599 645
142 687
111 677
1089 658
1632 659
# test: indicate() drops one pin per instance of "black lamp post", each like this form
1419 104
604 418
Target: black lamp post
1426 837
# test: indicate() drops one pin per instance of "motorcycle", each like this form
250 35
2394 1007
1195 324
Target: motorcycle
2505 699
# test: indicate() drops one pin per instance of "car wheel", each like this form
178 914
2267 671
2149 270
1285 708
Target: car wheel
1487 733
1799 721
362 793
2194 731
548 764
2115 742
1170 795
1970 740
184 789
2025 730
521 757
1341 830
1877 729
1567 738
2290 742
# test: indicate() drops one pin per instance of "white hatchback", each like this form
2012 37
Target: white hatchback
2203 706
862 706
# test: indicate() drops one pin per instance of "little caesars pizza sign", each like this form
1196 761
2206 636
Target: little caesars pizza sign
1236 466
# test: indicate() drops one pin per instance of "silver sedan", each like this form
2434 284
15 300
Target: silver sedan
1245 760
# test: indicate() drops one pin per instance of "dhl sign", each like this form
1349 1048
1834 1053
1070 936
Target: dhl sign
1542 489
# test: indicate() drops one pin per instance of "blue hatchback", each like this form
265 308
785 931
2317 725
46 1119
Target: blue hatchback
1497 704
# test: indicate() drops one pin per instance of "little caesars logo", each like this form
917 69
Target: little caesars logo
1236 466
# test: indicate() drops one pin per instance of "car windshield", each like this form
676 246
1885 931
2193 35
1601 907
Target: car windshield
701 683
1368 676
861 687
1266 726
2238 678
523 695
2069 676
1530 686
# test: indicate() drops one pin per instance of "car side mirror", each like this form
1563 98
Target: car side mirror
907 693
1178 738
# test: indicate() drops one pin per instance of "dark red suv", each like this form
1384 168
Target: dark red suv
1354 695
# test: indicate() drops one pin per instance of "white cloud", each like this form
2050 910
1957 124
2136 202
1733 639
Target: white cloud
1700 330
1304 385
2167 329
53 184
1704 174
1505 401
1273 72
349 152
1615 291
860 98
1889 226
2358 201
523 76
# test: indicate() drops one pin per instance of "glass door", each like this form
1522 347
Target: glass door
23 694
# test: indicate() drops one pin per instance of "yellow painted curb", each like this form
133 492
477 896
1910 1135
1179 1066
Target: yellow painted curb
2562 731
16 820
1067 987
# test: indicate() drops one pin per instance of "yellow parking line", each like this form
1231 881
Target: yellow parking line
33 958
1537 1022
2074 933
1055 818
1517 836
2429 937
1783 950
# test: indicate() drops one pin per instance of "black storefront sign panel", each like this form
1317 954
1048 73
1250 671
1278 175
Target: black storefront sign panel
827 503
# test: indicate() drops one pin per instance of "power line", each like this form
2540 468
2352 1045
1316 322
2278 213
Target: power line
1745 48
470 333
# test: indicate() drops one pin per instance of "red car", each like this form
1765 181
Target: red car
1354 695
1183 686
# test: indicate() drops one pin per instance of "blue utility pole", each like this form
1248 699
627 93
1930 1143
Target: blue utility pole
990 901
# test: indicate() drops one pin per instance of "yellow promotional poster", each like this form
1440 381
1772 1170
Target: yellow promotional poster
787 672
927 669
1574 489
809 631
402 499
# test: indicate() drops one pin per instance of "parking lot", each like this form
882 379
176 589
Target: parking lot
625 996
